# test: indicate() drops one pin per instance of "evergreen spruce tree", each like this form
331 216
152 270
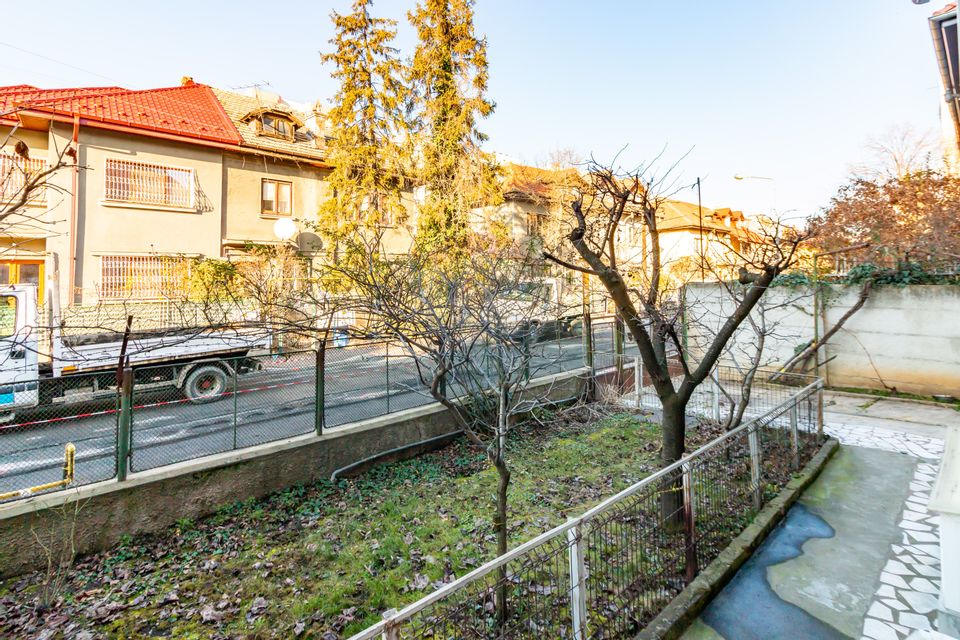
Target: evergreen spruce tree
448 76
367 127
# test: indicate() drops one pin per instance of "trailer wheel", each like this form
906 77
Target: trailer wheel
206 383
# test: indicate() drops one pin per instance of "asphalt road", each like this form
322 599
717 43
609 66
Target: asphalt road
361 381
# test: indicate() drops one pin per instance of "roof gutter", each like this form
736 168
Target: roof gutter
150 133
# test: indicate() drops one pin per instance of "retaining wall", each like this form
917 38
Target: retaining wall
152 500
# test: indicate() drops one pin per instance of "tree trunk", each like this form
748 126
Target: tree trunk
673 424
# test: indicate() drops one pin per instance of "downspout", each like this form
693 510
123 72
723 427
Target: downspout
74 206
950 92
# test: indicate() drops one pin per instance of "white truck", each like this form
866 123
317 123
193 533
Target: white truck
79 368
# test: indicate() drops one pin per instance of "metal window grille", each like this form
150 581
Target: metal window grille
142 183
14 174
141 277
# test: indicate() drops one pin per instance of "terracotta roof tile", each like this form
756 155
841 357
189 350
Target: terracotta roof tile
190 110
947 9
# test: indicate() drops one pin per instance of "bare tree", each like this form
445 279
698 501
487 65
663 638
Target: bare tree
899 152
652 317
472 327
24 180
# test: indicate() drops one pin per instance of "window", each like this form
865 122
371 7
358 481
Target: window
23 272
142 277
8 316
276 198
142 183
14 174
272 125
535 224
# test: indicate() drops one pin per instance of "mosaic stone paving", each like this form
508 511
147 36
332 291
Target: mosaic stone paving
910 581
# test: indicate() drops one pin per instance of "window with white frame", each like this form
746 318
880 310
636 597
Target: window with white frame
15 173
150 184
142 277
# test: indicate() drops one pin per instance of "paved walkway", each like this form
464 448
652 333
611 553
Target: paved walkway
858 555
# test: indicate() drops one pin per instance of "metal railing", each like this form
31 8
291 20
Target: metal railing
167 414
610 571
146 183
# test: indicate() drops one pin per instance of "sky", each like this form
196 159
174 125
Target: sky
786 91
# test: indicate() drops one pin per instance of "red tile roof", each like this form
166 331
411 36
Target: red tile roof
190 110
947 9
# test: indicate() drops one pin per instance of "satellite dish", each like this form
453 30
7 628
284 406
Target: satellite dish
284 229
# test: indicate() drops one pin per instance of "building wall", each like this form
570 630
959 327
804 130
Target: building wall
24 237
113 228
903 337
243 176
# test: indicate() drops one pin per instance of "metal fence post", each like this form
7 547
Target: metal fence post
235 393
689 525
578 583
715 396
391 631
820 412
124 424
638 379
387 370
319 403
795 432
618 350
753 439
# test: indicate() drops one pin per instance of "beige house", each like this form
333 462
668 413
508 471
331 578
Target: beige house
151 177
532 209
139 183
277 171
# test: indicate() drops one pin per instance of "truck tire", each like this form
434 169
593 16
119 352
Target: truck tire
206 383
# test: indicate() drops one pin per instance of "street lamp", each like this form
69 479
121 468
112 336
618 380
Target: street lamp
740 177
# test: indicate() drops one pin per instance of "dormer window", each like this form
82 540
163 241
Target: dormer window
274 125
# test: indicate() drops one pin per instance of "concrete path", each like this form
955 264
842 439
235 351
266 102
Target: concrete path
858 555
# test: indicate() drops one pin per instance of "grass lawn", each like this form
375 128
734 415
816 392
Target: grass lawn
325 560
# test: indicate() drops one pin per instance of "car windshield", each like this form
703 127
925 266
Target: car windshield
8 316
536 291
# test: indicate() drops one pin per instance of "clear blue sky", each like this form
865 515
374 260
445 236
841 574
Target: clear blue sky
788 90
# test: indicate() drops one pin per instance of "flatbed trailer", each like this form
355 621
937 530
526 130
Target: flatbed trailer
197 362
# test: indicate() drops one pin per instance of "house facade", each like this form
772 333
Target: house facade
149 178
533 208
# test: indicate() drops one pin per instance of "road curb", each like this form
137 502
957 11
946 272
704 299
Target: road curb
683 609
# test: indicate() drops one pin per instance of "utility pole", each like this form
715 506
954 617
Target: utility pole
700 215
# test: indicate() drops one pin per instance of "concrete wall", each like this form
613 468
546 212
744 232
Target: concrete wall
153 500
904 337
